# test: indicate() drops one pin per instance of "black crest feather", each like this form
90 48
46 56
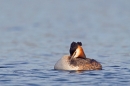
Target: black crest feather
79 43
74 46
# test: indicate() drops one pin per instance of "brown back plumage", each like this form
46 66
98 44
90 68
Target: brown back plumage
86 64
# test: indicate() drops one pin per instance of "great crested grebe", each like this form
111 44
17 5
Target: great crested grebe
77 60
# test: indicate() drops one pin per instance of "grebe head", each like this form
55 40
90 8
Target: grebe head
76 50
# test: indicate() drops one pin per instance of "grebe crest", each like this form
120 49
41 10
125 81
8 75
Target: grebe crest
76 50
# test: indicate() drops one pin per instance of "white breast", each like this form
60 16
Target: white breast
63 64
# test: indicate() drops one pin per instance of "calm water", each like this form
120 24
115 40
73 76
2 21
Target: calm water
35 34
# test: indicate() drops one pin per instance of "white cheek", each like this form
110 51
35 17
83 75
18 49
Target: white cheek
77 53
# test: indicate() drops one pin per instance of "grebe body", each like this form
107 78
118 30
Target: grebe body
77 60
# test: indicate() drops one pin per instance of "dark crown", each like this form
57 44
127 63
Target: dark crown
74 46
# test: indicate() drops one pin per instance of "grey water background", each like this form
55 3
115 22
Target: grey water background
34 34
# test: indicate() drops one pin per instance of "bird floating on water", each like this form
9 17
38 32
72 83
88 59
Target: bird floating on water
77 60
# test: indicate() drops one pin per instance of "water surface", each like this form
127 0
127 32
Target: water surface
34 35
